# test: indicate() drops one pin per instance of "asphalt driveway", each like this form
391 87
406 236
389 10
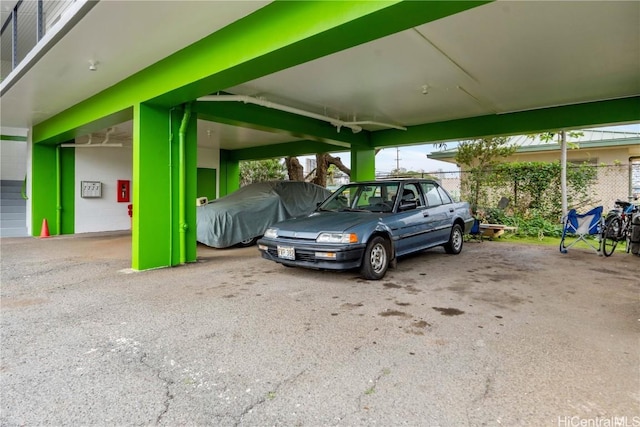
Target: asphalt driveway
502 334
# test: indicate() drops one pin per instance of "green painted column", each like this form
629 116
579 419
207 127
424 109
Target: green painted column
43 188
156 228
363 164
229 173
191 190
68 188
207 183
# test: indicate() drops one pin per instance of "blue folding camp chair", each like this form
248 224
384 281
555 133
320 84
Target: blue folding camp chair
579 227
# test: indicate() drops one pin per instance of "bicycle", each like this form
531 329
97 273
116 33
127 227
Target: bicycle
617 227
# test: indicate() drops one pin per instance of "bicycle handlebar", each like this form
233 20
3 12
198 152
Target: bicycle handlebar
626 206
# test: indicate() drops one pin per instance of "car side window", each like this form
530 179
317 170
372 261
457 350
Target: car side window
431 194
444 196
410 195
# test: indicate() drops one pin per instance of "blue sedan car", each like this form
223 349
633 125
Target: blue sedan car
367 225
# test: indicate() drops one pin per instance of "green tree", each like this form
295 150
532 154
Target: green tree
261 170
478 158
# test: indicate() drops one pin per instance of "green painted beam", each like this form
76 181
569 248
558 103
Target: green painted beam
296 148
78 122
272 120
278 36
12 138
523 122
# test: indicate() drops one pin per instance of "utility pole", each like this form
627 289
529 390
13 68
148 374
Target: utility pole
397 159
563 172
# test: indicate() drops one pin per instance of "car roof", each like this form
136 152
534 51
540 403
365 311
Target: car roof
398 180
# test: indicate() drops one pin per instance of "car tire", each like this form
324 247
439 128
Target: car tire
454 245
248 242
376 258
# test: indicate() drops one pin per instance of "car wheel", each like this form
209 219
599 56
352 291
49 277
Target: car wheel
376 259
248 242
454 245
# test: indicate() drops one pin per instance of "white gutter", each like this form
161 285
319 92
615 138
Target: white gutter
385 125
354 126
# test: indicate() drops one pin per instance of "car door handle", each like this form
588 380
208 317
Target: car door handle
425 214
451 209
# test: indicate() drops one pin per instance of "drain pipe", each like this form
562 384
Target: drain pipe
170 185
182 184
58 193
268 104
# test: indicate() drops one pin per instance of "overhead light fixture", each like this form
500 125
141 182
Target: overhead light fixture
93 65
425 89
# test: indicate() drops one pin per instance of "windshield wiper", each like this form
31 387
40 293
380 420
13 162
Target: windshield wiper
353 210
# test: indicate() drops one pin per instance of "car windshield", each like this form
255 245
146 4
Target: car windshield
377 197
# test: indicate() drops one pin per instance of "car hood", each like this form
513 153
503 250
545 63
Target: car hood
309 226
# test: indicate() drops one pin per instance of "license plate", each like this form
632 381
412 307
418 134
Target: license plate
286 252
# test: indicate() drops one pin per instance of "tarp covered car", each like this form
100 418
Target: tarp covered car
247 213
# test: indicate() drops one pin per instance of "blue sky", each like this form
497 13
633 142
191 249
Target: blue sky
414 157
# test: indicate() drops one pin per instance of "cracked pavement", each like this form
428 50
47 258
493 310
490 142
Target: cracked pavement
502 334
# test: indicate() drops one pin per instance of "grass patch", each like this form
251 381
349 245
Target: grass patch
554 241
544 241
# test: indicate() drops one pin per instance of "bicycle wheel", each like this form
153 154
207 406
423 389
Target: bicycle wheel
627 234
610 235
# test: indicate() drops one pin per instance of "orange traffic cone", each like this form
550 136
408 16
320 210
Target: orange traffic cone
45 229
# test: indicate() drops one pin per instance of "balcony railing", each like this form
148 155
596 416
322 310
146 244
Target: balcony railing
24 26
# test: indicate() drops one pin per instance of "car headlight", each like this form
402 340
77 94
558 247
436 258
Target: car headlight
271 233
337 238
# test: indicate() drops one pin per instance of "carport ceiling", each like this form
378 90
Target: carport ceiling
502 57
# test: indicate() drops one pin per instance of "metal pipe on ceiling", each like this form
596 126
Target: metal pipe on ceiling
268 104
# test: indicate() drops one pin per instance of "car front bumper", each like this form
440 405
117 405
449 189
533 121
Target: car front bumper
313 255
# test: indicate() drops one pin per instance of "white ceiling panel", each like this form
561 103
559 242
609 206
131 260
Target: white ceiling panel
501 57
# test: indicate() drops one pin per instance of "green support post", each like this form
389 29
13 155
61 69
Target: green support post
229 173
363 164
68 188
207 183
191 188
43 188
156 178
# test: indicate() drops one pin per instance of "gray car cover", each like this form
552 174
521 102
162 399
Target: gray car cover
248 212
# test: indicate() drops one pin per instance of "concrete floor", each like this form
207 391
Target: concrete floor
501 335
